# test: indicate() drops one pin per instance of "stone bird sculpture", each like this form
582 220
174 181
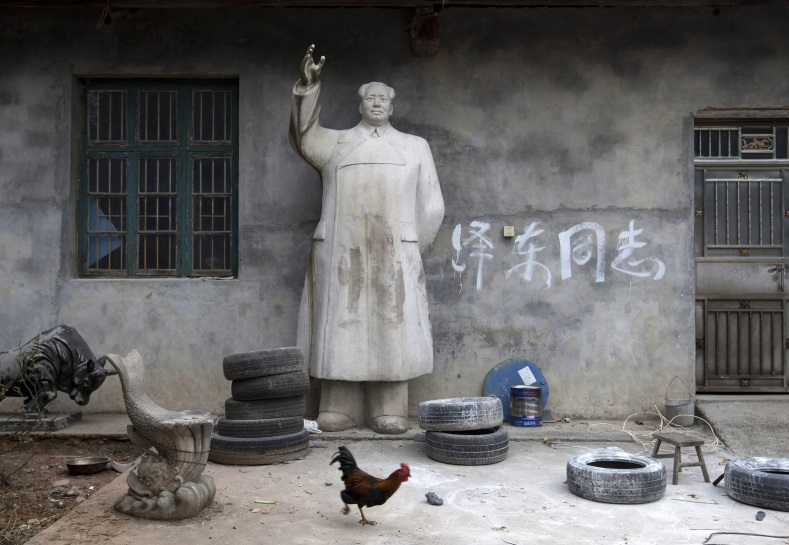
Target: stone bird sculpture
182 438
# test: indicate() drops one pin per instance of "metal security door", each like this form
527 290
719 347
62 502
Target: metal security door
742 217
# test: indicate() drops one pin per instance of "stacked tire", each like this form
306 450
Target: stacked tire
264 418
464 431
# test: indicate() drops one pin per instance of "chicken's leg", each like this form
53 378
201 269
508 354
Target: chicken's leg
364 519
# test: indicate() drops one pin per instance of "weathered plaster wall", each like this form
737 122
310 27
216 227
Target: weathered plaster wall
554 116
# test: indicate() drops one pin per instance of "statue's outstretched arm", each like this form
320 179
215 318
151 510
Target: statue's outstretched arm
309 70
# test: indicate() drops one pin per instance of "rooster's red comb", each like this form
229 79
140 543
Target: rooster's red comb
405 468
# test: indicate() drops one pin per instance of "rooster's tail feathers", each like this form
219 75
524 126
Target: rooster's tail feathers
346 460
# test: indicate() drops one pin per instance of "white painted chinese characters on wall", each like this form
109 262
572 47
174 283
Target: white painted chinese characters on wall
583 245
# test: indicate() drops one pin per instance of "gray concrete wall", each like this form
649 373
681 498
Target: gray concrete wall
556 116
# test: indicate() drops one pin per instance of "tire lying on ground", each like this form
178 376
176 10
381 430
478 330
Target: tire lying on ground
460 414
271 386
616 477
264 427
278 407
762 482
262 363
250 451
468 448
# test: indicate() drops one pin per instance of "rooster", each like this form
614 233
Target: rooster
363 489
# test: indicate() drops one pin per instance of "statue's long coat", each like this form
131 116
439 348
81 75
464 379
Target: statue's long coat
364 314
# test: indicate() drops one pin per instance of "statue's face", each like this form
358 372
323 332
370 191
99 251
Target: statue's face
376 106
88 376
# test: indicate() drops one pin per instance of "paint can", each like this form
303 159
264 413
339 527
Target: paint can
526 406
682 411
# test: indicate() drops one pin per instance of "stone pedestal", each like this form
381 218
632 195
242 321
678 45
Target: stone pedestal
36 422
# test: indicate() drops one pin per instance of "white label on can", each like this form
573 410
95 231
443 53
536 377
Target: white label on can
527 376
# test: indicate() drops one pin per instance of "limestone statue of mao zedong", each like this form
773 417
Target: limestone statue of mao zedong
364 325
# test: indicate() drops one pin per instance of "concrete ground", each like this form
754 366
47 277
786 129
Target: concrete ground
522 500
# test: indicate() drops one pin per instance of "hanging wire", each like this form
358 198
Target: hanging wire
106 16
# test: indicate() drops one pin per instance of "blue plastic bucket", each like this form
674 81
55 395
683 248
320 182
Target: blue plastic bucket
526 406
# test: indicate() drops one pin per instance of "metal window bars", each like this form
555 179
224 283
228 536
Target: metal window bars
212 218
176 143
743 143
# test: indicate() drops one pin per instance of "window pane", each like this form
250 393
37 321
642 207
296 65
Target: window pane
212 214
107 116
715 143
107 252
211 253
157 175
212 218
157 117
157 214
106 221
781 144
157 252
211 116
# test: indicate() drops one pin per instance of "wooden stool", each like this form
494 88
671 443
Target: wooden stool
680 440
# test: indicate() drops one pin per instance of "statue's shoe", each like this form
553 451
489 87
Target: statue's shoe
330 421
390 425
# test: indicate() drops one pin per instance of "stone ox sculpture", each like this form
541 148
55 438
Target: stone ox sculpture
57 359
168 483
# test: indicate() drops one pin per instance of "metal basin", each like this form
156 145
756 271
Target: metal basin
86 466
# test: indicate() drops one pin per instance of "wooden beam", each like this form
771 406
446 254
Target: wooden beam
384 3
718 115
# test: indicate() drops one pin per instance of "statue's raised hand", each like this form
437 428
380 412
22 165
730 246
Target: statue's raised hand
309 70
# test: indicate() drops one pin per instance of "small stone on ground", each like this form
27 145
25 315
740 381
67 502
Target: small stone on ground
432 499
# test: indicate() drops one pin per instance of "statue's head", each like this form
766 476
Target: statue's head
376 103
89 374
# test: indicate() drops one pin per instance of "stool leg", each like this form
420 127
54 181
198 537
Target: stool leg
703 465
677 464
656 448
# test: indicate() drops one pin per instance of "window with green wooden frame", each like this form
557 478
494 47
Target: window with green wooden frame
158 183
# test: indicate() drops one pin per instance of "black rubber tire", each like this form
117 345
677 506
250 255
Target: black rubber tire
762 482
468 448
265 427
460 414
616 477
282 385
246 451
280 407
262 363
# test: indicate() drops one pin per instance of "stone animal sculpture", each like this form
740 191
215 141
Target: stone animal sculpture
168 485
57 359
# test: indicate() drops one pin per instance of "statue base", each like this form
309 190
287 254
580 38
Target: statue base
184 502
36 422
